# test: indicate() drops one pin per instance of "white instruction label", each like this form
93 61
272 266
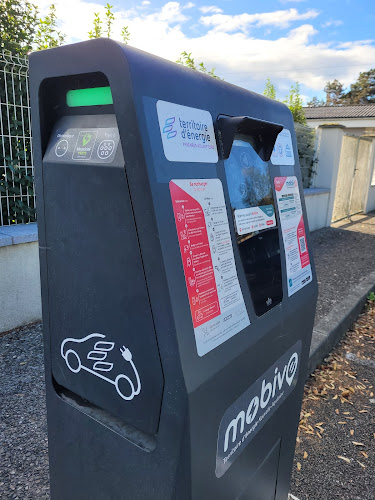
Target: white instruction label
294 236
187 133
253 219
217 306
282 153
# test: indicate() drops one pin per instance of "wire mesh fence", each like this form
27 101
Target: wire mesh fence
17 193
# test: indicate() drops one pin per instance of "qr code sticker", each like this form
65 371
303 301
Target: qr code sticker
302 244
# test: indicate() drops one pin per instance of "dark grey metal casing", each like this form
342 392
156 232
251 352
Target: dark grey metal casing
110 264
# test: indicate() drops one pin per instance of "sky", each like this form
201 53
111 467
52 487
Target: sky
246 42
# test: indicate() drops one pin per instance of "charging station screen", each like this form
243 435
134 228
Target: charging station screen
253 209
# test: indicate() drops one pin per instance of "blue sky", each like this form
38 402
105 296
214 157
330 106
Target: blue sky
247 42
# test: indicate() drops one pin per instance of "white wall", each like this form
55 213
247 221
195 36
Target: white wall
317 201
20 301
370 198
349 123
329 144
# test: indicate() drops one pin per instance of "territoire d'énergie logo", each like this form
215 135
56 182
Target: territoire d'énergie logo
187 133
168 128
190 130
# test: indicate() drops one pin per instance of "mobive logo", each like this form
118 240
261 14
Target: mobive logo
250 412
291 183
168 128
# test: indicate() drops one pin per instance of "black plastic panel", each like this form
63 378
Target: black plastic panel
102 335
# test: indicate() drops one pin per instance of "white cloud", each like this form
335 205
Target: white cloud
241 22
210 8
146 2
336 22
239 58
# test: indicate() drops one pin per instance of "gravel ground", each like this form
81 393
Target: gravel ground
23 432
23 426
335 453
344 255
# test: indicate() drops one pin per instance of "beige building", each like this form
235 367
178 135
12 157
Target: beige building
343 183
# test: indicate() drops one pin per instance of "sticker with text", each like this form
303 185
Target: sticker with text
187 133
253 219
282 153
217 306
298 266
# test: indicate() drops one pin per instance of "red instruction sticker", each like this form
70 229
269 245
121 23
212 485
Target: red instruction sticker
297 258
217 307
196 256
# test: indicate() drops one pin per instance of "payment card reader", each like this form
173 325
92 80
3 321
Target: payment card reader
178 285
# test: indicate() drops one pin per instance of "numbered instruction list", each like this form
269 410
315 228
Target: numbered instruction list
293 229
217 306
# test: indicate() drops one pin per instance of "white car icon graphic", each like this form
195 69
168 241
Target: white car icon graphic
96 361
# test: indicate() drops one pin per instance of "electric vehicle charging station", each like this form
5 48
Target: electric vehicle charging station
178 285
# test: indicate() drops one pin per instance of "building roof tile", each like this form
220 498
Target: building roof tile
329 112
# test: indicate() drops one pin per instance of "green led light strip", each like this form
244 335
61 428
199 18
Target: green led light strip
97 96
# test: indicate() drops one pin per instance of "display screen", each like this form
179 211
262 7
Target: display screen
97 96
253 209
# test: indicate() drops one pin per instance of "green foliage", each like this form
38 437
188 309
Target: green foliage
18 21
47 35
305 135
363 90
109 18
187 60
315 102
270 90
125 34
335 94
16 180
97 29
294 102
306 151
17 184
371 297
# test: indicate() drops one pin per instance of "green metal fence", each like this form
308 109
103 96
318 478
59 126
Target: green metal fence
17 193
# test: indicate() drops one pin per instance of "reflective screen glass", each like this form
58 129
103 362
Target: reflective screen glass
253 210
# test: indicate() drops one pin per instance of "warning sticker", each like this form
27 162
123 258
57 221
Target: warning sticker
297 257
282 153
217 307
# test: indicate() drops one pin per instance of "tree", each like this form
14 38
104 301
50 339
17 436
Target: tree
293 100
295 104
47 35
315 102
188 61
334 92
269 90
363 90
18 21
97 29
